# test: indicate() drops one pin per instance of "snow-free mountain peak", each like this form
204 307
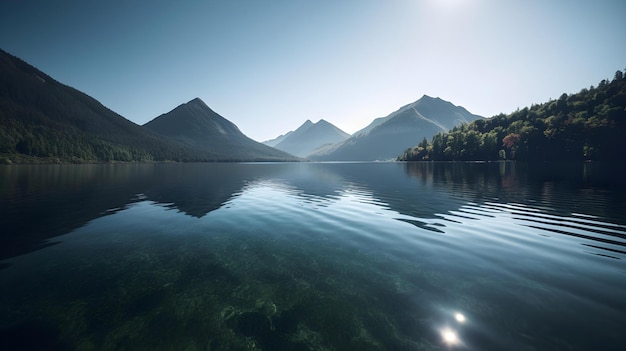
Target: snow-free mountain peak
386 137
193 118
194 123
309 137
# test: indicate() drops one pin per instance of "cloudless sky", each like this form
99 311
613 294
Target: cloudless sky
267 66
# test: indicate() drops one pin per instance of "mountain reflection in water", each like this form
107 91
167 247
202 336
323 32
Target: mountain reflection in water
306 256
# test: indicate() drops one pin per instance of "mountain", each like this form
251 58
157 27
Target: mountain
43 120
308 138
277 140
196 125
387 137
587 126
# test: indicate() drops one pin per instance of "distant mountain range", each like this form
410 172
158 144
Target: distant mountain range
387 137
43 120
308 138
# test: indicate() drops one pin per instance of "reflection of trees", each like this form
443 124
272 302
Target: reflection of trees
566 186
40 202
555 198
471 181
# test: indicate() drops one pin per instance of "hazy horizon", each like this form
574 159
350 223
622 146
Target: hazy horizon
268 67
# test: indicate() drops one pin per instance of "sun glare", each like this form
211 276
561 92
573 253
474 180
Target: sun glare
459 317
449 337
451 2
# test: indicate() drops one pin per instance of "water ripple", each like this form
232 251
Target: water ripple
604 235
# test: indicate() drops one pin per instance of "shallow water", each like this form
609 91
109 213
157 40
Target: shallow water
313 256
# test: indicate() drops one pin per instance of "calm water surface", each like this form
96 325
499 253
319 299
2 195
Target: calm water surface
313 256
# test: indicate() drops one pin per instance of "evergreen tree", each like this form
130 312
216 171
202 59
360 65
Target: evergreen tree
588 125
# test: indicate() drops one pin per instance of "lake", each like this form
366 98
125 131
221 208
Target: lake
313 256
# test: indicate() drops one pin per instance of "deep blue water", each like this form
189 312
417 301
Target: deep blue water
313 256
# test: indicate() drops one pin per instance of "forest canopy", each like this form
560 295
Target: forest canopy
588 125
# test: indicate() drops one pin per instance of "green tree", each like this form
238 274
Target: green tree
588 125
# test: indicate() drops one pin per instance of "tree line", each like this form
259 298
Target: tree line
35 138
588 125
42 120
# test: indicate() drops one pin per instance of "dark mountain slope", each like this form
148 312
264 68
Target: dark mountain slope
43 120
196 125
311 136
385 137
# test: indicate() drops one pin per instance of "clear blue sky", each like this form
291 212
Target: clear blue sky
269 65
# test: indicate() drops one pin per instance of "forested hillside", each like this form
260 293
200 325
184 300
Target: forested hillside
589 125
42 120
